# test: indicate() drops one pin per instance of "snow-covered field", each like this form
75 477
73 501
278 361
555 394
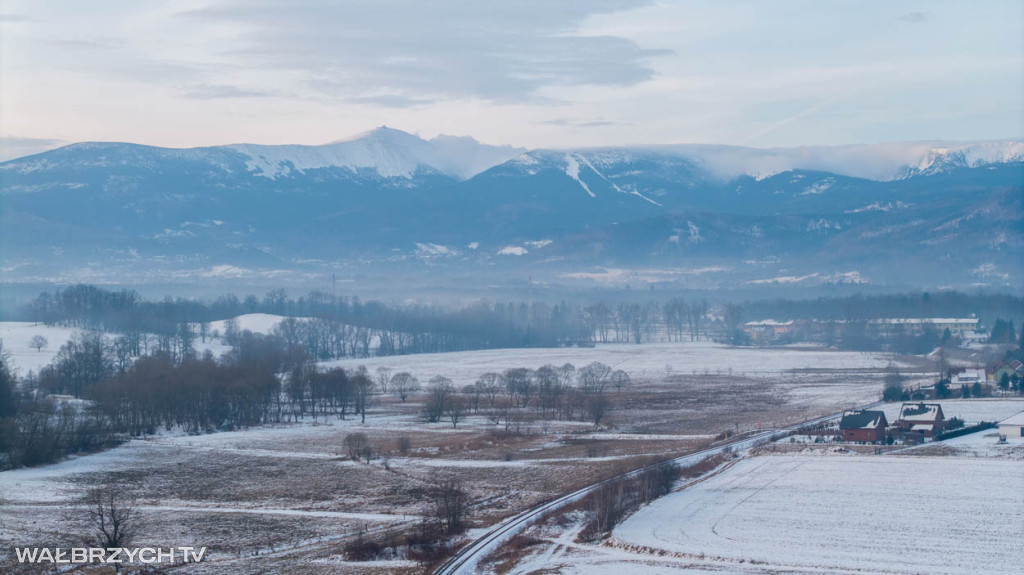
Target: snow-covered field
464 367
16 336
833 513
255 322
653 359
981 444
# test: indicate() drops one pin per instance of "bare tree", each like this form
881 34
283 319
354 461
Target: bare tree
594 377
675 312
473 392
112 516
598 407
490 383
599 317
694 314
404 384
38 342
451 506
566 375
619 379
440 393
455 407
362 388
356 445
383 378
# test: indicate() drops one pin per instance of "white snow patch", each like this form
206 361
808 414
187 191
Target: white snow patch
572 169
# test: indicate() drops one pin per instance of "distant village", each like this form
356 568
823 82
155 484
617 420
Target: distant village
930 335
920 417
917 422
771 332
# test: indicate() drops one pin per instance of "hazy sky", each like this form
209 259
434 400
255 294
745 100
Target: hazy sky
538 73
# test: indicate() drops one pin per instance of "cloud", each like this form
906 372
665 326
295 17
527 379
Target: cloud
389 101
212 92
12 147
14 18
580 123
914 17
88 43
401 53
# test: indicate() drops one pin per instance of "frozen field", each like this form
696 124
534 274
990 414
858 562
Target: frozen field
814 513
653 359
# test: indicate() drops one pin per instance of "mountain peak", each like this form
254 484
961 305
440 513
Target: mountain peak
392 153
381 134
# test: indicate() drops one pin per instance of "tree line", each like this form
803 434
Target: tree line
331 327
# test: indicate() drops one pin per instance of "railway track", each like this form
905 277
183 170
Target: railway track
466 560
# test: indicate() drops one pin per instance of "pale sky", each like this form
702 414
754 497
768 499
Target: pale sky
539 73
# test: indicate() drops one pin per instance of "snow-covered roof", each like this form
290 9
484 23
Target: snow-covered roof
862 420
925 412
922 427
1014 419
768 323
970 374
964 321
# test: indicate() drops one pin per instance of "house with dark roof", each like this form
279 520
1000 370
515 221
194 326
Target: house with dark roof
863 425
924 418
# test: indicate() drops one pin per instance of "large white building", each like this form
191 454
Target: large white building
917 325
1013 428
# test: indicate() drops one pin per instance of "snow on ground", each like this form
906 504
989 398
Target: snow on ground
653 359
255 322
969 410
16 336
842 514
981 444
55 482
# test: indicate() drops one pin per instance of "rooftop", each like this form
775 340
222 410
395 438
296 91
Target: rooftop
1014 420
924 412
862 420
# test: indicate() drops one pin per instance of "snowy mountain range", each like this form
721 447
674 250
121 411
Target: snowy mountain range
906 214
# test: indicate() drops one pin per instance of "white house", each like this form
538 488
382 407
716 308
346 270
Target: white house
969 376
1013 428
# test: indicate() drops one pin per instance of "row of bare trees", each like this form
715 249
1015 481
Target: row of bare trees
557 392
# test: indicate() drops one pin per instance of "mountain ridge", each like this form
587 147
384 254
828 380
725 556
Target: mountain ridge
395 153
390 200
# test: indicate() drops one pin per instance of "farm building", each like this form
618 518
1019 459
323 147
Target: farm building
967 375
924 418
863 425
917 326
1013 428
768 330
